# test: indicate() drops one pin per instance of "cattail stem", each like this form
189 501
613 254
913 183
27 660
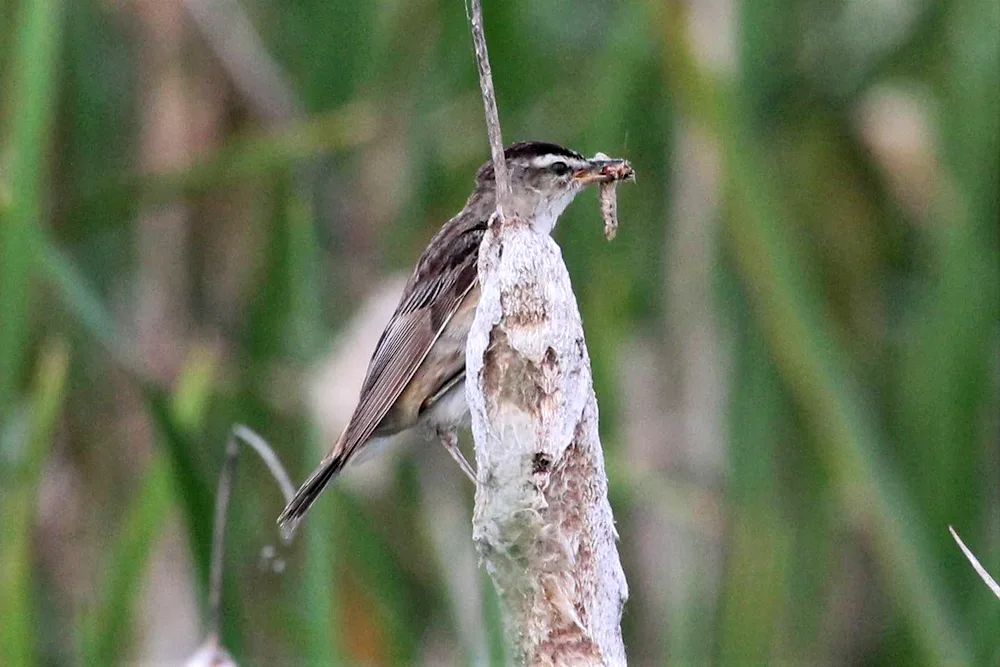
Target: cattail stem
542 524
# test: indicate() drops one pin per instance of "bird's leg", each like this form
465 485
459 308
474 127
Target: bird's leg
449 438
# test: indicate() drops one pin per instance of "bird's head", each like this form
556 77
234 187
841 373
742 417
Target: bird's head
544 179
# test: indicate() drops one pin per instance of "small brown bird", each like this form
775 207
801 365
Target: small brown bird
416 377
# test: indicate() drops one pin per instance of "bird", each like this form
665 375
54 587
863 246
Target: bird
416 376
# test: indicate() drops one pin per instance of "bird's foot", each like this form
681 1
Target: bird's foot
449 438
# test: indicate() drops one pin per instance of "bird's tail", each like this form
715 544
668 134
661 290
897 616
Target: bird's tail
308 493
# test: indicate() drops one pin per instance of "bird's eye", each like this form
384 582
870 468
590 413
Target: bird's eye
559 168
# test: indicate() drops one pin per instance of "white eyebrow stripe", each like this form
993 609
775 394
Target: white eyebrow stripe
543 161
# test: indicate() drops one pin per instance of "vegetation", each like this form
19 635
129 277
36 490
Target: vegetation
795 336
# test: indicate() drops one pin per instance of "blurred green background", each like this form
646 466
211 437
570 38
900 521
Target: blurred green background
206 209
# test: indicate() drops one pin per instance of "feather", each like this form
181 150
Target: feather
444 276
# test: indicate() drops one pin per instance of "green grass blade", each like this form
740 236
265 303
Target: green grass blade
320 619
109 629
494 621
813 364
385 578
30 100
19 630
196 493
244 159
287 313
972 133
752 596
80 299
945 374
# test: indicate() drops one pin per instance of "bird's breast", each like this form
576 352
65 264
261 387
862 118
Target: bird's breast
451 410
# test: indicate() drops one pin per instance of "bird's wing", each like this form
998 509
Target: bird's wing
421 316
444 276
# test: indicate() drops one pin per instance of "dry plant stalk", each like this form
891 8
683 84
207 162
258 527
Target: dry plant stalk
976 565
490 106
211 653
542 524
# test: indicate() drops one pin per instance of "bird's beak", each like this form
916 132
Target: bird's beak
603 169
